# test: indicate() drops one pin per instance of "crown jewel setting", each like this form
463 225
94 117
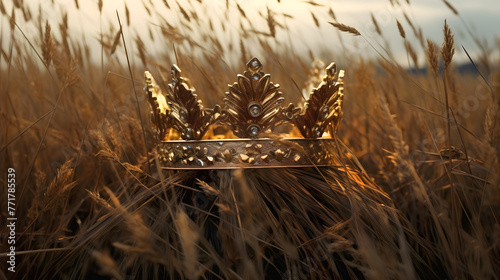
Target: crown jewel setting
252 110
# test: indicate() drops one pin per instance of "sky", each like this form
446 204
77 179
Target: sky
481 18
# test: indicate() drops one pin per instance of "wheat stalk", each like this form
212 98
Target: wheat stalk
271 23
345 28
401 30
243 51
183 12
316 22
127 15
242 12
47 45
12 20
375 23
332 14
447 48
432 57
116 41
451 7
2 9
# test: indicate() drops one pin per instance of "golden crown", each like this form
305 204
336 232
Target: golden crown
242 133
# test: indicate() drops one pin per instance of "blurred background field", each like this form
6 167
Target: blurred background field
422 118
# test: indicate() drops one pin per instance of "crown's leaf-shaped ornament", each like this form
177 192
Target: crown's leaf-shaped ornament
160 111
179 109
253 103
252 110
324 106
189 117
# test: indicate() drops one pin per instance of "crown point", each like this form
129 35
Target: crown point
341 76
254 65
331 70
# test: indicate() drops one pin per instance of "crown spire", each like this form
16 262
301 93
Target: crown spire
253 103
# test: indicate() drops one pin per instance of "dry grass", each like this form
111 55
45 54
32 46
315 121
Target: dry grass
415 195
432 57
401 30
345 28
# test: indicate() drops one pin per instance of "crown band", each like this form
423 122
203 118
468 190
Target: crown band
245 153
253 108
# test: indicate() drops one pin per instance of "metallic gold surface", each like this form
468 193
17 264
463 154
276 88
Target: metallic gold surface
246 153
252 109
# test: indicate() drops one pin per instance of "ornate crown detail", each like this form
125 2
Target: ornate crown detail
252 110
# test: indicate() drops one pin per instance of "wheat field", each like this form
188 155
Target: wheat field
92 202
